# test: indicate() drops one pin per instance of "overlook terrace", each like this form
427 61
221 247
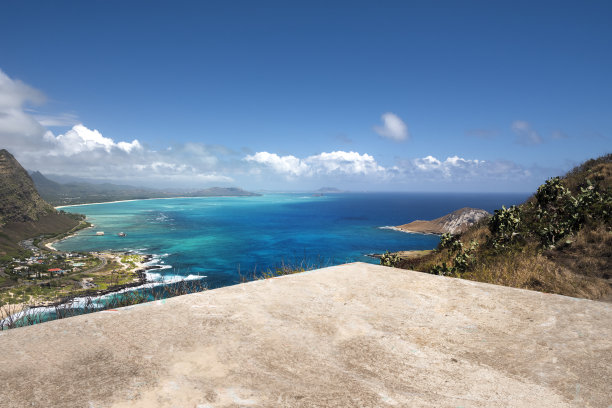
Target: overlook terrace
350 335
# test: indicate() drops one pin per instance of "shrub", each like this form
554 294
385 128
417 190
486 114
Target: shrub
504 225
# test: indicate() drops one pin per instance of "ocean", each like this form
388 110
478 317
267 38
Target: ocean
227 238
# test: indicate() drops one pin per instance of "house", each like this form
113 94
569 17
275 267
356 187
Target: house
56 270
21 269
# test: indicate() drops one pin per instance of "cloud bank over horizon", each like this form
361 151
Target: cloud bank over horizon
85 152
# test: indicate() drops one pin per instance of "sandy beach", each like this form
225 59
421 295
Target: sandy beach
140 199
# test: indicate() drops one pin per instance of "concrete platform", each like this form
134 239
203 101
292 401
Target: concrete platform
355 335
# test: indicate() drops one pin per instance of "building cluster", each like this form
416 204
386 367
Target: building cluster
45 264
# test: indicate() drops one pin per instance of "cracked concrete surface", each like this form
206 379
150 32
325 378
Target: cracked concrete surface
351 335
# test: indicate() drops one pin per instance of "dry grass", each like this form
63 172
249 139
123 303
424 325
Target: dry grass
580 266
13 232
580 269
598 170
589 254
531 270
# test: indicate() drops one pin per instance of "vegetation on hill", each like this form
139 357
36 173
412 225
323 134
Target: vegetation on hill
558 241
23 213
19 200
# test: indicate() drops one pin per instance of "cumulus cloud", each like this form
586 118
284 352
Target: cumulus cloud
450 167
326 163
525 134
86 152
289 165
405 171
81 139
457 169
393 127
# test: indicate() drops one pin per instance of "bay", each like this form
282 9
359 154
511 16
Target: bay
225 238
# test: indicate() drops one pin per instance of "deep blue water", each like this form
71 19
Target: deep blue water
225 237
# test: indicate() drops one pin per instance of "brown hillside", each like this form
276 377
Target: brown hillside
23 213
19 200
579 263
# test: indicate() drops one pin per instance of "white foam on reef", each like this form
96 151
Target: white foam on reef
153 279
161 279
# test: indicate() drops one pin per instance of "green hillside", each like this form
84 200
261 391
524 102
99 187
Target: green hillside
558 241
23 213
19 200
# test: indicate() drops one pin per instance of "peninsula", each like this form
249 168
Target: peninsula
454 223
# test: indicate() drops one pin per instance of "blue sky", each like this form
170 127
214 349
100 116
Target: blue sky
431 95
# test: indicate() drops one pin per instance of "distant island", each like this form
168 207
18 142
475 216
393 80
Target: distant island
83 192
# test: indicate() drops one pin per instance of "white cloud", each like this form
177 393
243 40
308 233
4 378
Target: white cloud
289 165
14 93
344 162
393 128
451 167
81 139
326 163
526 135
86 152
458 169
427 163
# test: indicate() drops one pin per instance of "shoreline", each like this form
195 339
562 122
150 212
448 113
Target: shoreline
414 253
146 199
408 231
145 280
50 244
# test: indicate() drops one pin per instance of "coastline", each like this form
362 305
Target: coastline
408 231
12 312
49 244
146 199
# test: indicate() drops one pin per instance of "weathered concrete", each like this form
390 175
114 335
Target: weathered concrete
351 335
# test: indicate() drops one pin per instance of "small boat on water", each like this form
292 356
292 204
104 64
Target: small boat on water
122 234
100 233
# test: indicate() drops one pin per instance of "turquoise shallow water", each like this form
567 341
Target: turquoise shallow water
224 237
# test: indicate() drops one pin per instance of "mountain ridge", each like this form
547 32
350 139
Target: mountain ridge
19 199
83 192
23 212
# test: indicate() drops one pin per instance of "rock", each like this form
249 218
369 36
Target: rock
455 223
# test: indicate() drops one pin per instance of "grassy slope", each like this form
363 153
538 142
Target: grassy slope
580 266
13 232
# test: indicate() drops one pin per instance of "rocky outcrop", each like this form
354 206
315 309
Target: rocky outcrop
455 223
19 200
